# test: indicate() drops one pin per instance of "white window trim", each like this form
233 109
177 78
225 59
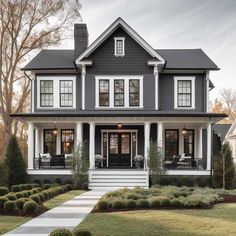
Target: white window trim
56 91
190 78
115 44
126 79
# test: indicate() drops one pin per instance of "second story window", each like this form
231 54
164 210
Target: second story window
119 93
104 93
119 46
66 93
184 92
134 92
46 93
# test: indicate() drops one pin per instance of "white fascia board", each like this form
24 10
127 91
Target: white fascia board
130 31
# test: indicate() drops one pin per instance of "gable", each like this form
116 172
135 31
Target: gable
135 59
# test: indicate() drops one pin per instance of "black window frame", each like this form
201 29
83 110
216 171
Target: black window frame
177 143
71 142
44 141
66 93
182 93
134 93
46 93
99 92
116 93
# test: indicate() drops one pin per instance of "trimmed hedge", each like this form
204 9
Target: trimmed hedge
2 201
11 196
60 232
20 203
15 188
10 205
143 203
102 205
4 191
36 198
81 232
118 204
46 186
30 207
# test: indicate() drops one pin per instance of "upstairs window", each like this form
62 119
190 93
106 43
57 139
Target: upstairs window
119 47
119 93
184 92
66 93
134 92
104 93
46 93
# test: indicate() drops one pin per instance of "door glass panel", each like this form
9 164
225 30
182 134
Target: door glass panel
105 145
134 141
125 144
189 143
114 144
171 143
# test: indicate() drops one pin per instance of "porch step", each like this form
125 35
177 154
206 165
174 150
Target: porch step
118 178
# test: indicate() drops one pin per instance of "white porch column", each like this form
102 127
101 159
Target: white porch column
209 147
79 133
156 74
146 138
200 143
160 134
37 142
30 146
91 145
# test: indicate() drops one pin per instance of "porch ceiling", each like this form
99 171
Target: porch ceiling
129 118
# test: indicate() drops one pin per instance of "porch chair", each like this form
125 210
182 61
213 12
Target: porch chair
44 160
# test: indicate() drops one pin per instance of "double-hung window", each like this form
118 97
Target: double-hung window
66 93
184 92
134 93
119 90
46 93
104 93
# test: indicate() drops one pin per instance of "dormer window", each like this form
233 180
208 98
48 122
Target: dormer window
119 46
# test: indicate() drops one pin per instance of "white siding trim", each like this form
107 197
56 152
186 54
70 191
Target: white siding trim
188 172
111 79
123 46
30 146
176 79
49 172
56 91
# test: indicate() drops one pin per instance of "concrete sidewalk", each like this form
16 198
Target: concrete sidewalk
68 215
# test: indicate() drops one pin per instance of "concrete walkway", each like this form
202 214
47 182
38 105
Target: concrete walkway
68 215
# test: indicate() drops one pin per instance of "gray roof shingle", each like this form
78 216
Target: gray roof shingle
175 59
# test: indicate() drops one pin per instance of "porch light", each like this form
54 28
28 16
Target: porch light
55 130
184 131
119 125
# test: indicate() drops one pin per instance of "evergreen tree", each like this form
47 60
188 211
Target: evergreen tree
15 166
224 169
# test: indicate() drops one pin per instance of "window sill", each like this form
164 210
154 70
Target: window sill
184 108
56 108
118 108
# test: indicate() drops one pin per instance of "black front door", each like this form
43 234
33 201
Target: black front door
119 149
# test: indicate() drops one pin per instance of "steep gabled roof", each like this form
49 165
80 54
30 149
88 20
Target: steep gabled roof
119 22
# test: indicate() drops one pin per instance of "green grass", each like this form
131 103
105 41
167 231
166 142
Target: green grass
8 223
56 201
220 221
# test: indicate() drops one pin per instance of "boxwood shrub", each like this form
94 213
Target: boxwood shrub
68 187
46 186
11 196
102 205
2 201
131 203
19 194
176 202
60 232
143 203
16 188
118 204
81 232
3 191
20 203
31 207
155 202
35 198
10 205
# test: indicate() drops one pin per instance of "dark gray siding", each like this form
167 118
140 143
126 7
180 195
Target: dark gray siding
134 61
166 93
204 148
78 96
90 92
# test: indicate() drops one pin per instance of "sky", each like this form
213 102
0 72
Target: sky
206 24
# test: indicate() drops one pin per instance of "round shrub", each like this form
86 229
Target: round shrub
36 198
19 195
60 232
176 202
155 202
20 203
28 186
131 204
4 191
10 205
11 196
102 205
118 204
41 196
45 195
34 190
16 188
165 201
143 203
35 185
133 196
82 232
68 187
37 181
31 207
23 187
2 201
26 194
46 186
55 185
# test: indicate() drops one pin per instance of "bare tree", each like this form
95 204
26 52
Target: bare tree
25 26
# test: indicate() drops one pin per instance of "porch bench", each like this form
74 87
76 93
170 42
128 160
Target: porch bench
58 161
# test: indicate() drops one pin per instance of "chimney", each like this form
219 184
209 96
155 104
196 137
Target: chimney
80 38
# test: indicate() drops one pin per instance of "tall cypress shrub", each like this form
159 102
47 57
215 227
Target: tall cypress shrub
15 166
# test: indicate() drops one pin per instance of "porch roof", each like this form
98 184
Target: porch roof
137 116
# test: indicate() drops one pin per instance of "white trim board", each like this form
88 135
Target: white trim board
49 172
188 172
117 23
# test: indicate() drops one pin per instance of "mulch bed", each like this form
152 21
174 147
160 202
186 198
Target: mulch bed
228 198
5 212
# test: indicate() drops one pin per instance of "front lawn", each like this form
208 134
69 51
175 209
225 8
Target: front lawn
221 220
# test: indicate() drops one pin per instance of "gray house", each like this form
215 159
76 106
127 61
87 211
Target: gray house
116 95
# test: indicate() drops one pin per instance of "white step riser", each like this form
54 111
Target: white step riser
117 184
118 177
119 181
115 172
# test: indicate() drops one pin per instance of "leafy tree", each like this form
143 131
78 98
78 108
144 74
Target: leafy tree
80 165
15 166
25 27
155 161
223 168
